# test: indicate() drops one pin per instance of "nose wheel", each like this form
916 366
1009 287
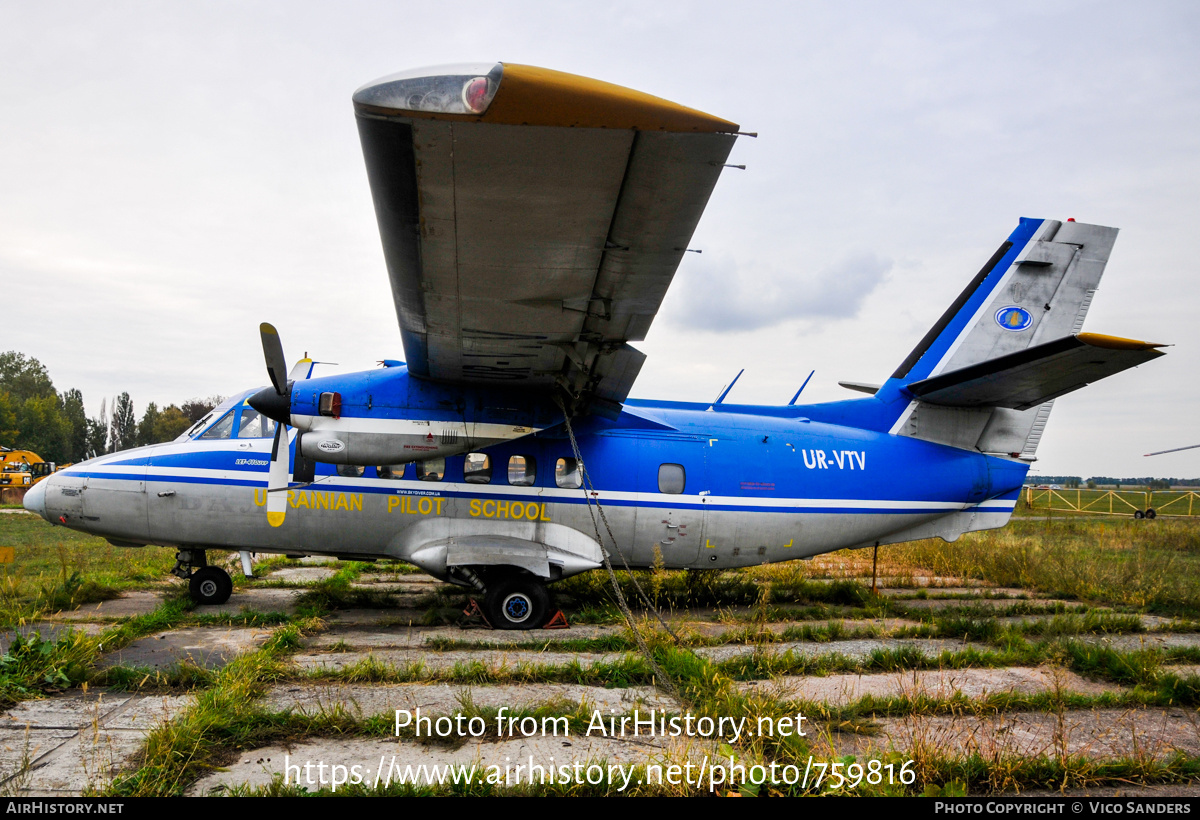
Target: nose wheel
210 585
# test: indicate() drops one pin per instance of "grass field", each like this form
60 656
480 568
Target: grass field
57 568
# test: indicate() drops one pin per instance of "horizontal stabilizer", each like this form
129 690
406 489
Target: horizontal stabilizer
1029 377
860 387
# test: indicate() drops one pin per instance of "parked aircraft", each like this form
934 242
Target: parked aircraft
531 223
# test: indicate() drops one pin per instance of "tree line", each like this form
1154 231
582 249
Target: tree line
34 416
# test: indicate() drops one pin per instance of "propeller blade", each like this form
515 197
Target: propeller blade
279 477
273 352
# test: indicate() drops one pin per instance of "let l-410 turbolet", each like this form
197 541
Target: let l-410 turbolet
531 223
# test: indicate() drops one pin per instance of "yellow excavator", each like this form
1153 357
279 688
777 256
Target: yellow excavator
24 468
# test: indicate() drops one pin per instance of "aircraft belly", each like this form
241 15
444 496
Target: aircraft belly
735 538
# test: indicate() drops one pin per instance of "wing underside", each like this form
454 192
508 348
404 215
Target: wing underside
529 244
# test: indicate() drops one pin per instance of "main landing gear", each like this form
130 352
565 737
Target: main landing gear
206 584
512 598
517 602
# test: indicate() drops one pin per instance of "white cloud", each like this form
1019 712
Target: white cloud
720 295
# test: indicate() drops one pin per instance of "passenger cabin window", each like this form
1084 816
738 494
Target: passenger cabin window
392 471
351 470
433 469
221 430
568 473
254 425
522 471
477 468
671 478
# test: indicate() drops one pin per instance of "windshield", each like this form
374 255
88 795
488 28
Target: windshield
217 412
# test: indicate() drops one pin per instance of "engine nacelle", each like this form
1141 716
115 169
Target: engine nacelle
438 440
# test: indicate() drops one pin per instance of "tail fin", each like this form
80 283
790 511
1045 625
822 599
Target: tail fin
984 377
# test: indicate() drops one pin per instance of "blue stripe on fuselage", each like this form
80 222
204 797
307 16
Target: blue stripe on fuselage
726 455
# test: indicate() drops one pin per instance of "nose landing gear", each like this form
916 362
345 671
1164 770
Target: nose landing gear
207 585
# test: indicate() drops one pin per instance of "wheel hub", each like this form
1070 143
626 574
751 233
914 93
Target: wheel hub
517 607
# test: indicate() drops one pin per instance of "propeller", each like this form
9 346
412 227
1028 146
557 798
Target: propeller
275 403
279 477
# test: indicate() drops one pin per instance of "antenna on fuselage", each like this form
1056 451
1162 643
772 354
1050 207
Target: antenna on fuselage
801 390
725 392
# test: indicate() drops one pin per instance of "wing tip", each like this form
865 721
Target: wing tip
1117 342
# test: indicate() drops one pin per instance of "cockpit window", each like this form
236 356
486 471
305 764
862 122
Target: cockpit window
198 426
254 425
221 430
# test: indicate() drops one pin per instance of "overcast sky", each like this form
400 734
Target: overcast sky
173 174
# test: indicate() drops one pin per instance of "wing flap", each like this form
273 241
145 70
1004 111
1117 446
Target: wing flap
666 188
1028 378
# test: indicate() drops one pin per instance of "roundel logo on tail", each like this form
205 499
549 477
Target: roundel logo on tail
1013 318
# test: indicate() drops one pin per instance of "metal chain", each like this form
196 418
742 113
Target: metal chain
589 493
612 575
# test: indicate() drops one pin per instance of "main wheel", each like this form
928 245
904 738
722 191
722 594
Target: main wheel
1151 514
518 602
1138 515
210 585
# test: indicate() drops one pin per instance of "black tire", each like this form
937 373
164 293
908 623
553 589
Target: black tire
1138 515
210 585
1151 514
518 602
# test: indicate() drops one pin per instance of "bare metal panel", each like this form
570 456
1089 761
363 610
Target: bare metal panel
666 189
530 253
1052 279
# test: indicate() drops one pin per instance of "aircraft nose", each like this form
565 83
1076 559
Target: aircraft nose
35 498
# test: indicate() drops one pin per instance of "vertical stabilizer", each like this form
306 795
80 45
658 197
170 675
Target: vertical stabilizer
1035 289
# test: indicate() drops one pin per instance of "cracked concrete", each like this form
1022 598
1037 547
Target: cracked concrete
209 647
59 746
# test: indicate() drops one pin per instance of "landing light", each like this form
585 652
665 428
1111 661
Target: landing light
451 89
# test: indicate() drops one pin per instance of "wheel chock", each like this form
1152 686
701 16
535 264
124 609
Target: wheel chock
559 621
473 617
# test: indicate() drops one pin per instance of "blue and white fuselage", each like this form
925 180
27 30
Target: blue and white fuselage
700 486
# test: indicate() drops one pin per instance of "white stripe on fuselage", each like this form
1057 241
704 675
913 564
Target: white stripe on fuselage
406 487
